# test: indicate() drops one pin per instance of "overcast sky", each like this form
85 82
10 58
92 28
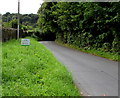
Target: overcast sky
26 6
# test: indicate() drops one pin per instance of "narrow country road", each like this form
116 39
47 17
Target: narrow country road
93 75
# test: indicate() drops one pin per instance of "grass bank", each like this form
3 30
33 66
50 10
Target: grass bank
107 55
0 69
33 71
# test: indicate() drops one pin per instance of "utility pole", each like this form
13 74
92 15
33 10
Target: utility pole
18 19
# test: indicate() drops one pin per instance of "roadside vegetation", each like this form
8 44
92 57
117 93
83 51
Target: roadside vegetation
33 71
90 26
27 21
96 52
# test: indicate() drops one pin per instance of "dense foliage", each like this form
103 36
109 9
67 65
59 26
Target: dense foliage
86 25
27 21
33 71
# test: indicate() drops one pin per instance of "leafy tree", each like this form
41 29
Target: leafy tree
27 21
13 23
90 24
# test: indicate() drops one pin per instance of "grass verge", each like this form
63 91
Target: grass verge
107 55
33 71
0 69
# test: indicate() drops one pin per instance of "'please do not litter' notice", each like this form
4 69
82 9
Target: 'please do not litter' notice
25 42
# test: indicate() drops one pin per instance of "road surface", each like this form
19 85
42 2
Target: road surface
94 76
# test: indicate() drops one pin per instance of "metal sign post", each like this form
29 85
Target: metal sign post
18 19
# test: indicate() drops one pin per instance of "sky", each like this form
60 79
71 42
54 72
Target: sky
26 6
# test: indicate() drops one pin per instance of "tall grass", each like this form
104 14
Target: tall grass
34 71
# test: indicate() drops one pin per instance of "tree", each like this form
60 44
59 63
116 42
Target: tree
13 23
91 25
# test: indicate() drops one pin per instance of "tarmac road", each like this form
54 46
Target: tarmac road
94 76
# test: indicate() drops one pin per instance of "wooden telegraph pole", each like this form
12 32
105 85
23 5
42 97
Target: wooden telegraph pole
18 19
